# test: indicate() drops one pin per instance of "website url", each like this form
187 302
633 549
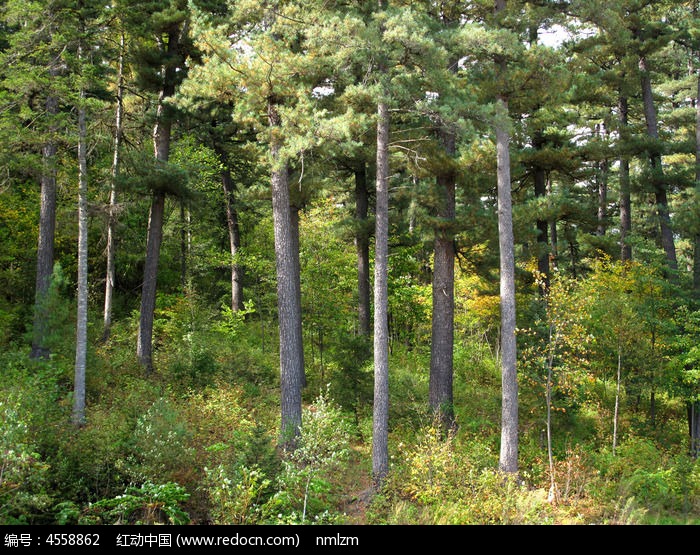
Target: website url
237 540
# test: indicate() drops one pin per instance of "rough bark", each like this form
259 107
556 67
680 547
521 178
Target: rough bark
78 416
440 390
144 345
288 305
380 436
508 460
508 457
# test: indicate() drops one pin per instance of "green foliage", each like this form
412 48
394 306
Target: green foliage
23 474
148 504
305 484
160 444
236 497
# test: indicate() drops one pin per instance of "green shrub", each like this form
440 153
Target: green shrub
305 486
22 472
237 495
148 504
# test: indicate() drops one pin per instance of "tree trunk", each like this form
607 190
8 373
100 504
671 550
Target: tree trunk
112 210
380 436
144 345
508 461
442 339
161 147
234 238
45 249
508 458
82 312
624 173
288 305
660 189
362 248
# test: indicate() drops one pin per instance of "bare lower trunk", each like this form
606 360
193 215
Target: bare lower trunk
82 311
442 339
234 238
288 305
508 461
380 436
112 209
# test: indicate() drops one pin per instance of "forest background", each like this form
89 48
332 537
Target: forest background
345 262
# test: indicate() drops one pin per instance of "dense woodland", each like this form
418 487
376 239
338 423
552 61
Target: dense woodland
347 262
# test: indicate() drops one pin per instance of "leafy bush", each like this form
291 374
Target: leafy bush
22 472
322 449
160 445
236 495
148 504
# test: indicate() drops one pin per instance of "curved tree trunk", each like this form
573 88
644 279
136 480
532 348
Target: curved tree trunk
161 147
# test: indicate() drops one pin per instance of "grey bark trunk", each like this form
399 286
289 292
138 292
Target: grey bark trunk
112 209
362 249
288 305
624 174
380 436
440 390
660 189
82 311
234 239
45 249
508 460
